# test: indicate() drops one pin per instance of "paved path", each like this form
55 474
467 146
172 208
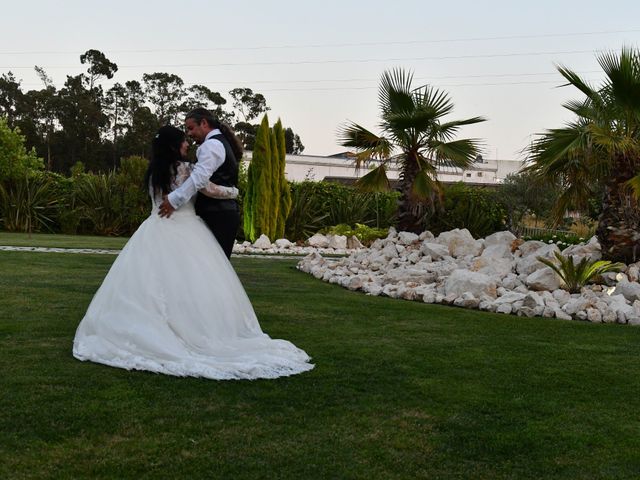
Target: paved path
96 251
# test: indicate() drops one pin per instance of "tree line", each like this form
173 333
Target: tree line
83 121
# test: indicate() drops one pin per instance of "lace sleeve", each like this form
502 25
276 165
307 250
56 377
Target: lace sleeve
218 191
182 173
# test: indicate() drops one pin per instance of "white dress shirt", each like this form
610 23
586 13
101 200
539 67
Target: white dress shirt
210 155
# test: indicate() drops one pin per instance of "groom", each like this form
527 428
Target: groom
216 163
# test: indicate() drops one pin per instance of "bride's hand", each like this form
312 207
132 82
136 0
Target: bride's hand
165 209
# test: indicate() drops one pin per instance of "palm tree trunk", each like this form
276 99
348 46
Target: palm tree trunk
409 209
619 223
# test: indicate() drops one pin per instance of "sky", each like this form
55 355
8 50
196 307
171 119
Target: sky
318 64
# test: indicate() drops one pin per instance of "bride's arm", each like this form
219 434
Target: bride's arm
211 189
220 192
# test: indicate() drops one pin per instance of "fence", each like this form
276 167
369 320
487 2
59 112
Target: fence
524 231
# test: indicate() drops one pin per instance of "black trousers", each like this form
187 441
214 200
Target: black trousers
224 225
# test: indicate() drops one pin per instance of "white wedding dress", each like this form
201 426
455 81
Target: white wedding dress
172 304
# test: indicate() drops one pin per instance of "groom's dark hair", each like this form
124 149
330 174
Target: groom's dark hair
200 114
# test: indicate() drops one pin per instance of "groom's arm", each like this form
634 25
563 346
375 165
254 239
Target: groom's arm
210 156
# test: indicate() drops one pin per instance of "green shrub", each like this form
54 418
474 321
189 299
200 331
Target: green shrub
318 205
367 235
135 202
304 218
97 201
28 203
575 276
477 209
15 160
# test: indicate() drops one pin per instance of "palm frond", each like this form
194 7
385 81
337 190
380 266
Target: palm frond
431 98
448 130
370 145
425 187
458 153
575 80
374 181
394 94
634 185
623 74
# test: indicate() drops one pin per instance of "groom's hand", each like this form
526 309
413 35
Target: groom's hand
166 209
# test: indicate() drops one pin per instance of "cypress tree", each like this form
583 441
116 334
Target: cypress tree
247 208
274 200
268 196
284 191
256 221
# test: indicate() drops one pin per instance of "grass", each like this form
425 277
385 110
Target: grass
61 241
401 390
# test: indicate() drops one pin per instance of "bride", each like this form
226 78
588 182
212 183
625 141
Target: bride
172 303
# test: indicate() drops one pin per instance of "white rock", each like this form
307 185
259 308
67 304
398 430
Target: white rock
318 240
407 238
575 305
504 308
354 243
372 289
619 304
580 251
337 241
562 315
414 257
409 275
532 300
499 238
609 316
530 247
390 251
450 298
511 282
543 279
497 251
284 243
594 315
425 235
262 242
633 273
434 250
355 283
630 290
460 243
529 263
561 296
526 312
510 298
497 268
429 297
462 281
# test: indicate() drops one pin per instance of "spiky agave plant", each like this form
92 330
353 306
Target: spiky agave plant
575 276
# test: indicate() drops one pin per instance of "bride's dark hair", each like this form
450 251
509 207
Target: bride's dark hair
200 114
165 155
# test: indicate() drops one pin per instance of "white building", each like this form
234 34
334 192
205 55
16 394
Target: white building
340 168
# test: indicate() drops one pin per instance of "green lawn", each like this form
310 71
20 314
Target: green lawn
401 390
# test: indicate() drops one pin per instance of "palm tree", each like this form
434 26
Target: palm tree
411 124
600 149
